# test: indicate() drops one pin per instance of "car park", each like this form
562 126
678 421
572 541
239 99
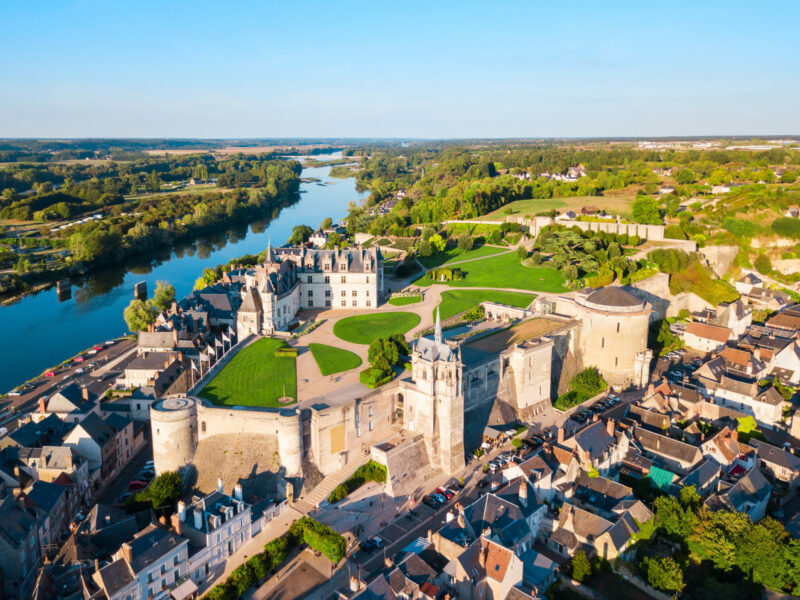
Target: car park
431 501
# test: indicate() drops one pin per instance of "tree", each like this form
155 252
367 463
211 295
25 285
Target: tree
645 210
685 177
536 258
300 235
588 382
165 489
425 248
163 296
153 182
689 498
580 567
209 277
664 573
788 177
570 272
522 252
495 236
465 242
139 315
763 264
437 242
327 223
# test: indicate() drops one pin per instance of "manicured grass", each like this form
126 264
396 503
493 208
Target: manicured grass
618 203
505 271
456 301
255 377
405 300
362 329
332 360
454 255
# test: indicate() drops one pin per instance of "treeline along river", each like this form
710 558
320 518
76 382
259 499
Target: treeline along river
39 331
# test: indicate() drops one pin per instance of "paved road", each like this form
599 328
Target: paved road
47 386
119 485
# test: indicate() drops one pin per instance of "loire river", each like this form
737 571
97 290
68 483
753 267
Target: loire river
39 331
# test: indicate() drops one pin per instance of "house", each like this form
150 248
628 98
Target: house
749 495
574 173
484 570
536 471
20 550
589 210
49 500
318 239
745 395
785 321
216 525
722 447
567 216
538 572
747 282
704 477
97 442
71 404
579 529
743 363
779 464
736 316
666 189
48 463
792 212
598 494
123 430
33 434
721 189
597 446
676 456
706 338
156 341
768 299
145 566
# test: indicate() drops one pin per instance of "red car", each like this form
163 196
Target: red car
137 485
50 374
446 493
80 359
98 348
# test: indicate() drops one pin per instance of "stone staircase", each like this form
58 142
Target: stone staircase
327 485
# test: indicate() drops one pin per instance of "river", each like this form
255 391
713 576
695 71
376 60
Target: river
39 331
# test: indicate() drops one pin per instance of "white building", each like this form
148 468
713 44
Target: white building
216 526
706 338
745 396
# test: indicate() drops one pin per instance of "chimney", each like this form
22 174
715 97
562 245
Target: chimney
85 394
68 460
181 510
560 435
96 565
198 519
388 562
151 328
523 493
125 549
735 435
220 487
174 306
611 425
757 353
482 557
177 524
174 337
594 417
237 491
355 584
429 536
650 389
42 405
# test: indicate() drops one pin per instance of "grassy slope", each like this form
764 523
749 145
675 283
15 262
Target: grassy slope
405 300
613 204
332 360
254 377
454 254
362 329
506 271
456 301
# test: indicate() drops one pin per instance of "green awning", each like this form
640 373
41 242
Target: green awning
661 478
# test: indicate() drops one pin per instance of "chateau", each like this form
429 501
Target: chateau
291 279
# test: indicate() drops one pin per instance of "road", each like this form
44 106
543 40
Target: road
119 484
63 376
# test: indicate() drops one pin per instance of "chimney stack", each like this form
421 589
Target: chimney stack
177 524
611 425
594 417
220 487
735 435
198 518
96 565
42 405
560 435
523 493
482 556
126 551
237 491
85 394
181 510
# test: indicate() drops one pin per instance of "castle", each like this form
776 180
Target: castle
291 279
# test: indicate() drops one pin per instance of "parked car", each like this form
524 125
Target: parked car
377 542
483 482
50 374
440 497
124 496
445 492
91 352
80 371
150 464
79 359
431 501
146 475
109 343
137 484
98 348
367 546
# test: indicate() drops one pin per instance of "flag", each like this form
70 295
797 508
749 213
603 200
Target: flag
203 356
218 343
225 337
194 365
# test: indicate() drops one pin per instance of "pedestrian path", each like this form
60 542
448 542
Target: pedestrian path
327 485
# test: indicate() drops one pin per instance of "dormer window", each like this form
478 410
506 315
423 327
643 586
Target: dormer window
343 266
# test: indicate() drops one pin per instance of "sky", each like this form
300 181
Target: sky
446 69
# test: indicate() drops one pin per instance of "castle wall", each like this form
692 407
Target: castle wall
611 341
645 232
173 422
655 290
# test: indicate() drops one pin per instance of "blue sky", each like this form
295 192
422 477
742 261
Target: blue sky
94 68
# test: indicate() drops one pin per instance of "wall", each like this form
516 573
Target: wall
655 290
720 258
645 232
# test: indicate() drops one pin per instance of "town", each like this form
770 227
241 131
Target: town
497 446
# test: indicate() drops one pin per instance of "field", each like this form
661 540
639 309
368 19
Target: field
514 335
254 377
454 255
332 360
363 329
456 301
505 271
617 204
405 300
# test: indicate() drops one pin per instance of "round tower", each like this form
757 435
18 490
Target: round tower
290 441
173 422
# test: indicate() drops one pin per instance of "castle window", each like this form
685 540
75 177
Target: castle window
203 426
344 293
355 293
616 361
327 266
327 293
309 279
602 342
310 294
343 267
368 292
310 303
344 279
344 302
367 278
369 303
355 303
617 327
327 278
327 303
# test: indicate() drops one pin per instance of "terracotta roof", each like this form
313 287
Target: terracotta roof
736 356
710 332
784 321
497 559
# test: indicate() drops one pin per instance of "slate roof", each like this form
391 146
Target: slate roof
600 492
96 429
752 488
703 474
150 545
69 399
614 296
593 438
662 445
33 434
252 302
776 456
117 422
156 339
15 523
45 495
115 577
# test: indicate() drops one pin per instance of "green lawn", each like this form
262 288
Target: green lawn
254 377
505 271
332 360
454 254
456 301
405 300
362 329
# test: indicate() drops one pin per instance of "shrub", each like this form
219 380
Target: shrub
465 242
674 232
319 537
522 253
604 277
371 471
241 579
589 382
285 351
579 567
516 443
763 264
787 227
374 378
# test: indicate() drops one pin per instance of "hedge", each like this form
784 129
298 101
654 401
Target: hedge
285 351
371 471
374 378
